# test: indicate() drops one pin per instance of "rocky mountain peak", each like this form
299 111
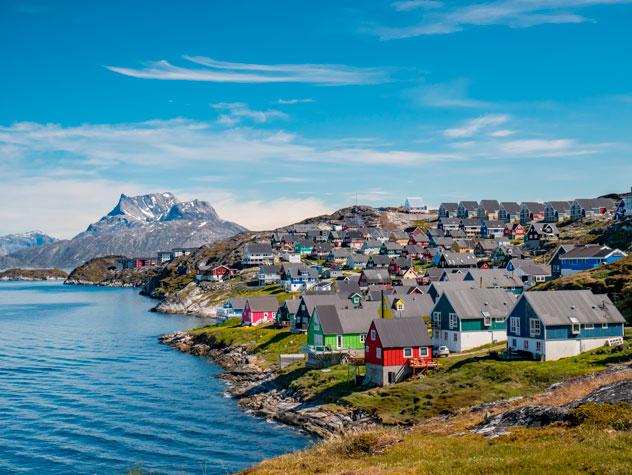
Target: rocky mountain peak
195 210
144 208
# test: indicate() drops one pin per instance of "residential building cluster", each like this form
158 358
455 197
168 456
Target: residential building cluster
393 298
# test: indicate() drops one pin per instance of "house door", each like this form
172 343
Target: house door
338 341
391 377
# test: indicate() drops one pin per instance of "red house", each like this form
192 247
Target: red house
141 262
259 309
393 346
514 231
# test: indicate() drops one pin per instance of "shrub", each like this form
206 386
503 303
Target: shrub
603 416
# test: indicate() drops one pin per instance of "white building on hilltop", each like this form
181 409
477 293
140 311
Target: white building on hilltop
415 204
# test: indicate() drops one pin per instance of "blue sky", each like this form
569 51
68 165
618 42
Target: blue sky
275 111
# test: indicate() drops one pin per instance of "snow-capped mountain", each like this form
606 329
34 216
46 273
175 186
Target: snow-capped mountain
15 242
138 226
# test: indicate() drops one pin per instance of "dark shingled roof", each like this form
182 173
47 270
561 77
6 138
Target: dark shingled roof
402 332
337 321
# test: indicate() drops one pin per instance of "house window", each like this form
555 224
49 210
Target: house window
589 326
423 351
436 319
538 345
366 348
316 324
408 352
575 326
445 335
487 319
453 321
372 335
378 353
526 344
604 325
514 325
534 327
456 337
362 337
540 278
499 319
265 314
339 341
514 343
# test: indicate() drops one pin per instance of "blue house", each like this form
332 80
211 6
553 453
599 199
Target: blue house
232 308
587 257
556 324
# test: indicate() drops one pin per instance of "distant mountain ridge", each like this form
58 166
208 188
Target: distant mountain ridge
136 226
15 242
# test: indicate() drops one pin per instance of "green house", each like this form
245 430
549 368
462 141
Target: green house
286 314
340 329
465 318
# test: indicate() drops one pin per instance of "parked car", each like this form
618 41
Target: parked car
441 352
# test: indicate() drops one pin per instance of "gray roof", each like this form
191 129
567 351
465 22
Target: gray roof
555 307
449 206
472 304
545 228
510 207
530 267
312 300
415 305
337 321
460 258
469 205
492 278
559 205
258 248
592 203
380 259
402 332
533 206
490 205
263 303
292 304
377 276
491 223
590 250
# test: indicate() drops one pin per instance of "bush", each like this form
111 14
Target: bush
366 443
603 416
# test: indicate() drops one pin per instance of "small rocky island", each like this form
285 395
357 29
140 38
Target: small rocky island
33 274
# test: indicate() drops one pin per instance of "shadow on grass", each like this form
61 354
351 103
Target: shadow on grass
279 337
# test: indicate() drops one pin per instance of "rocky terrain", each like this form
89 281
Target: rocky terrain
104 272
33 274
15 242
137 226
255 388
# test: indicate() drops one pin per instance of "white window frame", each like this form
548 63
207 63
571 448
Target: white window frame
362 337
487 321
436 319
514 325
535 327
378 353
338 342
373 335
604 326
575 326
589 326
454 322
423 351
408 350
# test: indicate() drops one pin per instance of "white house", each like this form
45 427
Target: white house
415 204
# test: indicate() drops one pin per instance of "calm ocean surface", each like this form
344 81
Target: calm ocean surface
85 387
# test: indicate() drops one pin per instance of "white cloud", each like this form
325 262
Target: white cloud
169 144
236 112
406 5
473 126
294 101
261 215
453 94
545 148
511 13
212 70
58 206
502 133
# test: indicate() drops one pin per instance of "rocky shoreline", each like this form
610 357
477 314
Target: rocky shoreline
32 274
106 283
256 391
